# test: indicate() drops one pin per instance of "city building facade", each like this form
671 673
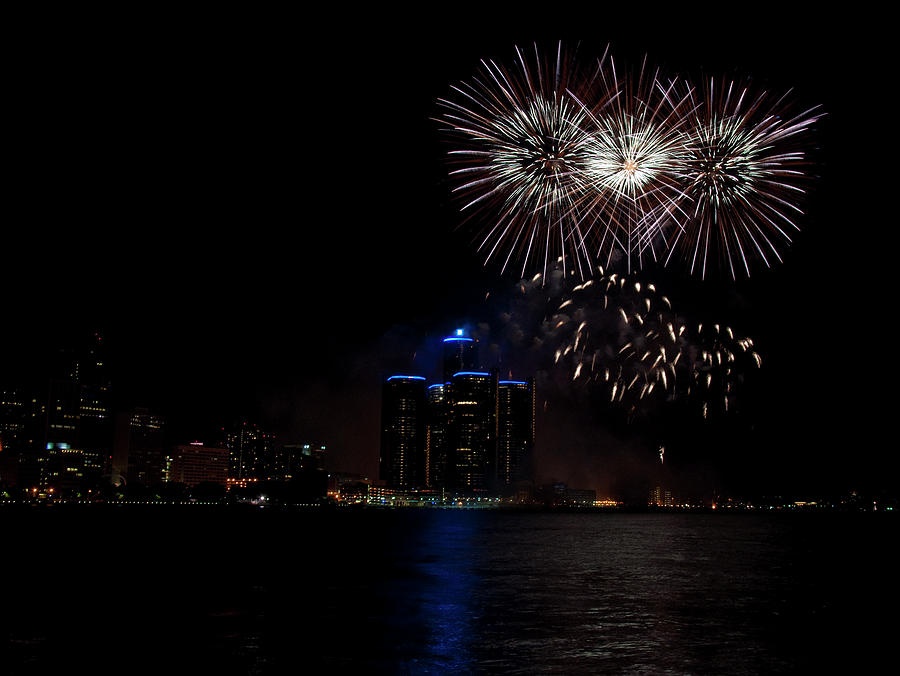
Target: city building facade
251 450
194 463
78 428
290 460
140 448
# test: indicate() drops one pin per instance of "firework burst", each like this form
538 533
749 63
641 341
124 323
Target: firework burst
601 165
635 153
742 180
521 163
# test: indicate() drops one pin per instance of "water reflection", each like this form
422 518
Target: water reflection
432 591
446 610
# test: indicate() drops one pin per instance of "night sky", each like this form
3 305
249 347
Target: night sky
257 217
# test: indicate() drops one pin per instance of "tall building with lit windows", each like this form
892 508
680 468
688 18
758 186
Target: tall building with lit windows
473 431
251 450
195 463
16 435
437 442
23 457
78 430
12 419
515 431
402 460
140 449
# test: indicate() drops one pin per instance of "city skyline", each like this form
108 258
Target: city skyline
258 212
216 306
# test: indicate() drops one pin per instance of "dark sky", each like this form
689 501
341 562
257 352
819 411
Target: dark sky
255 213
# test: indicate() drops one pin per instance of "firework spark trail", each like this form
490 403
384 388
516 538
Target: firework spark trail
629 339
719 366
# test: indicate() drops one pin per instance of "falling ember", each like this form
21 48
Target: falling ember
642 355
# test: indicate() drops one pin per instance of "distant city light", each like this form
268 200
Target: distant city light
406 378
61 446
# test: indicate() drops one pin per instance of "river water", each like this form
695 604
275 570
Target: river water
194 589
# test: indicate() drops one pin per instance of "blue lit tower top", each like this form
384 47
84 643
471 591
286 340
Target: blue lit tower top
460 354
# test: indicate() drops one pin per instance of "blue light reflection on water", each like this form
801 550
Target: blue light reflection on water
446 601
449 591
486 592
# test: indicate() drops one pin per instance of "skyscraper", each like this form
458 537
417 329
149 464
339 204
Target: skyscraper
139 451
515 431
95 423
251 451
78 427
12 419
21 435
437 440
473 431
402 461
13 433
